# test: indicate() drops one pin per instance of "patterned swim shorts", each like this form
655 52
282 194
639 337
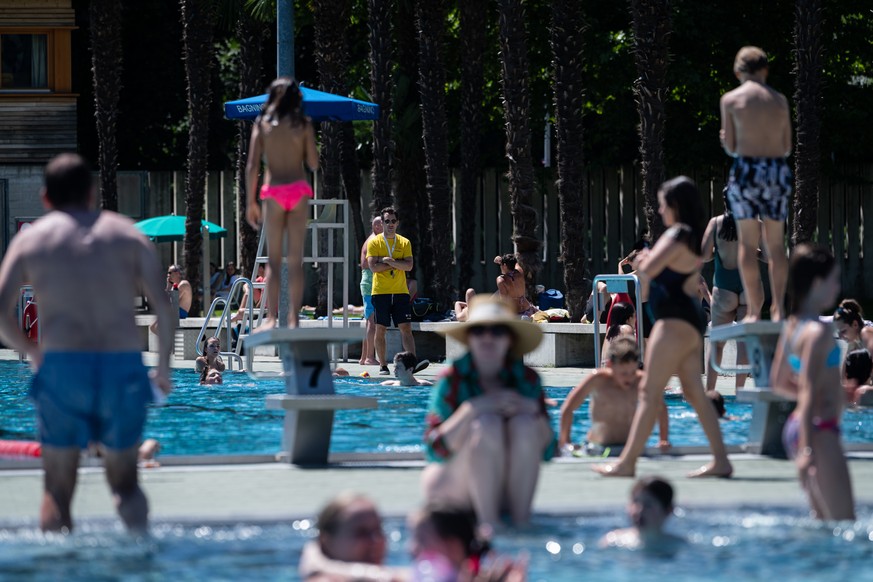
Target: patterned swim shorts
760 187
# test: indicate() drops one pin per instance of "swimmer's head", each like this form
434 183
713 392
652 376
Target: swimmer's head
211 376
448 531
68 182
404 361
350 530
211 346
651 503
284 99
750 60
622 356
813 277
717 401
858 367
849 320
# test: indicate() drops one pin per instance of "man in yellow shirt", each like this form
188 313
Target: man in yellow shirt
390 258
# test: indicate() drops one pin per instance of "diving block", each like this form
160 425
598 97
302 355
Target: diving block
309 399
760 338
769 410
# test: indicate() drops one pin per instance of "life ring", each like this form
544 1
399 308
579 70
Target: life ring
30 322
19 449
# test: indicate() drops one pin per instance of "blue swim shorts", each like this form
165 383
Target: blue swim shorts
368 306
84 397
760 187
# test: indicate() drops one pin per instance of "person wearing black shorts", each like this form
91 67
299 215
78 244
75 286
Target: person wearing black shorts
390 258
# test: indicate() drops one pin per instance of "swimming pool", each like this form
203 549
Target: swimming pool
722 545
232 418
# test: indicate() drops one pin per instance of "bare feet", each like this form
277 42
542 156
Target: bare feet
370 362
775 314
722 470
751 318
266 324
615 470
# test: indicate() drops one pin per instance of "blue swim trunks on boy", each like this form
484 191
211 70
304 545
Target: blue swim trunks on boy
84 397
760 187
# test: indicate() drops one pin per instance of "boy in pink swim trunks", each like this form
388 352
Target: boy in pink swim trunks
284 137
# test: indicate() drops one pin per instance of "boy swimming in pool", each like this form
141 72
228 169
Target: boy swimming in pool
651 504
613 390
404 368
284 137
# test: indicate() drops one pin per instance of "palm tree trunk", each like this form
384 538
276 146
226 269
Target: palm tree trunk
197 23
381 89
473 20
352 182
651 25
567 46
807 97
515 79
407 137
251 34
106 64
431 17
331 19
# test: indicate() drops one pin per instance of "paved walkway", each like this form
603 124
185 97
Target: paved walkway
279 491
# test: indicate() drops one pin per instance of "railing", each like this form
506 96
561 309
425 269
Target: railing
617 284
25 299
225 322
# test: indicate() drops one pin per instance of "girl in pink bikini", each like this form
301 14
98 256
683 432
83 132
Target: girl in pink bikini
285 139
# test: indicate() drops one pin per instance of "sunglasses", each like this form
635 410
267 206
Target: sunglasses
392 221
494 330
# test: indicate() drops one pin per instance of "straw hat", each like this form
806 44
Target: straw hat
490 310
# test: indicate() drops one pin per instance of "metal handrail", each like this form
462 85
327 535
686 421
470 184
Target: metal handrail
224 320
607 279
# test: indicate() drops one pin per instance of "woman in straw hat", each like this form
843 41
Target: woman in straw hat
487 426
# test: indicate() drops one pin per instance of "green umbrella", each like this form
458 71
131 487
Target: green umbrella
171 228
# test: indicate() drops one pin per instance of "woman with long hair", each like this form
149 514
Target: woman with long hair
285 139
806 367
668 276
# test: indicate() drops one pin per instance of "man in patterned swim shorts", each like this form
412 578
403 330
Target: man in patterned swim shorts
756 131
90 384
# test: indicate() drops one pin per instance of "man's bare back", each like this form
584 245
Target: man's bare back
756 121
87 268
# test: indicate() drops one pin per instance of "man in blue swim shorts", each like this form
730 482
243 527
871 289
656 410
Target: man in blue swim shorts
90 384
756 131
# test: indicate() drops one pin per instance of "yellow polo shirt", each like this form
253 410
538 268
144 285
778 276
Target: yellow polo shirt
384 283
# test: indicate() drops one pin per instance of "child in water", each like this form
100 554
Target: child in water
651 504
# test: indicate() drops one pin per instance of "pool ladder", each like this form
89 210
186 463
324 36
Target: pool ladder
225 324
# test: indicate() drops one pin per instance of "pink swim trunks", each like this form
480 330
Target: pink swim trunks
287 195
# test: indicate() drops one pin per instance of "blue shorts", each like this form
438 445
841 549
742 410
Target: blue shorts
368 306
84 397
759 187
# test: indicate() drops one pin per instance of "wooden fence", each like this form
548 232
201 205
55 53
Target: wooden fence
613 204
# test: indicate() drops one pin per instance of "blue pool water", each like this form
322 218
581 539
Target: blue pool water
232 418
722 545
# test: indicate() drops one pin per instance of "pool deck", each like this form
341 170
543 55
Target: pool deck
248 488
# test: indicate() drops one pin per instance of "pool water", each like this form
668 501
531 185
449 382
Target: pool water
232 418
722 545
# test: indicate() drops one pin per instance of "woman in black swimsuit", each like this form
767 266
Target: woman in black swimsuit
669 274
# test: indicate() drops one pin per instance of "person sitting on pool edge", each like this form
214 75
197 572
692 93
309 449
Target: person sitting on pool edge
613 391
487 429
856 378
351 544
404 368
211 357
651 504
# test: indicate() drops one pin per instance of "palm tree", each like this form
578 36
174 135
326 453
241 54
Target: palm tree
381 89
251 33
473 37
567 44
197 22
808 66
515 80
106 64
431 18
407 137
651 26
331 19
352 182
